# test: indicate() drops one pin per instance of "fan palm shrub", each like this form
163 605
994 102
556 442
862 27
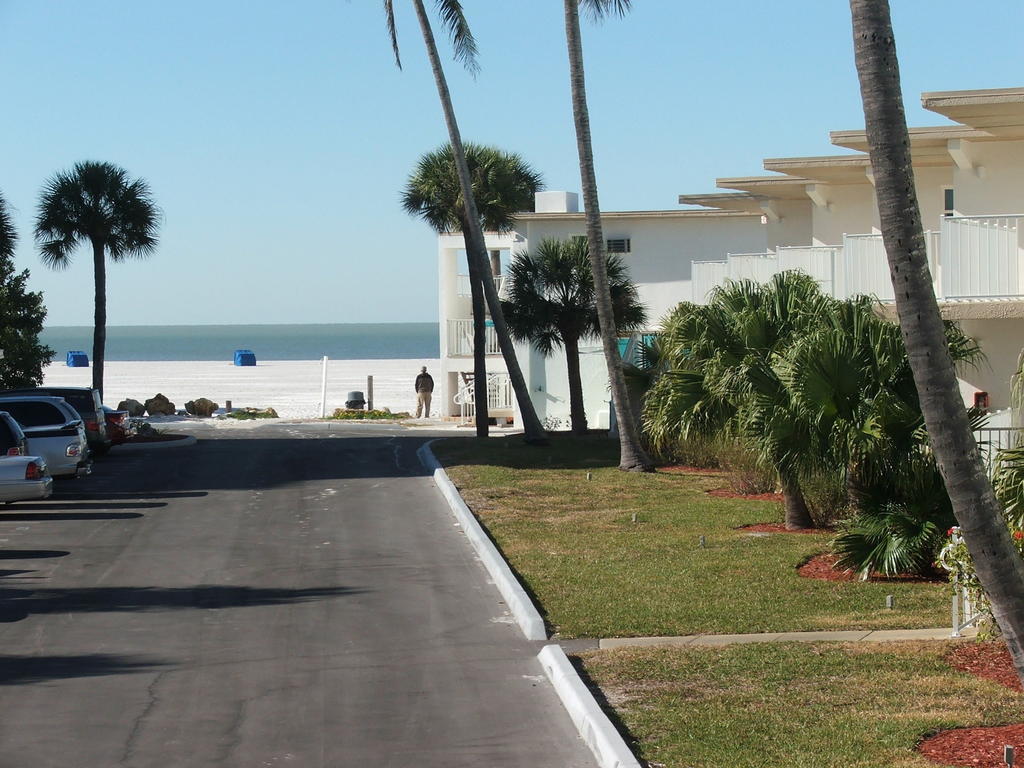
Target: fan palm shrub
551 304
725 375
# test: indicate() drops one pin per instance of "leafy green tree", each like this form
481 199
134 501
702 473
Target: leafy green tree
465 50
98 205
552 304
632 456
999 567
503 184
21 317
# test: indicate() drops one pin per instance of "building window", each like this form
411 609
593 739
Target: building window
618 245
948 205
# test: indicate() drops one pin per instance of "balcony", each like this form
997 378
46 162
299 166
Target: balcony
462 286
460 339
971 258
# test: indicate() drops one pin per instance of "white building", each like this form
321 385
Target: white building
817 214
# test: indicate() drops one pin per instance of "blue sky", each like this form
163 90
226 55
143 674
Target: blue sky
276 136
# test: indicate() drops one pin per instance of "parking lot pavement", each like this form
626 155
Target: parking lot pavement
288 595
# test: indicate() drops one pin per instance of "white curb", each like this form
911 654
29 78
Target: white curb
593 724
518 602
156 445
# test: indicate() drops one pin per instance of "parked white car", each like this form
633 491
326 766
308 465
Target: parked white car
24 478
53 431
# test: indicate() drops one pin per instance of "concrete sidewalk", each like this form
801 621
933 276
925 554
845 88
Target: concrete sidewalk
849 636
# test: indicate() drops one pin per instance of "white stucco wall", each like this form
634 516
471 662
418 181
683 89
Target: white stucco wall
1002 341
793 226
851 211
1000 187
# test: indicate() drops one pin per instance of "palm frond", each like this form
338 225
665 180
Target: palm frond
600 8
463 42
389 17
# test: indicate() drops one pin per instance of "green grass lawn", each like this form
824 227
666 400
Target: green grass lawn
596 573
829 705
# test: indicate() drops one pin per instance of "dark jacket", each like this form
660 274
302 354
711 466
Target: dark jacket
424 383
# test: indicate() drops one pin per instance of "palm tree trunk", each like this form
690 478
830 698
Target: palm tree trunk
999 567
632 456
797 514
577 412
476 288
99 333
475 247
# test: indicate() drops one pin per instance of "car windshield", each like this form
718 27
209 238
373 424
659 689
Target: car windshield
34 414
8 439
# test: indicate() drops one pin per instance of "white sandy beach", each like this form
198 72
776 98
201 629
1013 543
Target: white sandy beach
291 387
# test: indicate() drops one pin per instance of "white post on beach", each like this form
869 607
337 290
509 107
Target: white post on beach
323 389
369 393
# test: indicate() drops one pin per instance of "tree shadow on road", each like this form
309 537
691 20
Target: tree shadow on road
18 603
23 670
29 517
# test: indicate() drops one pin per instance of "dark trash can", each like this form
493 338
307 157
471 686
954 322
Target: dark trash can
78 359
245 357
355 400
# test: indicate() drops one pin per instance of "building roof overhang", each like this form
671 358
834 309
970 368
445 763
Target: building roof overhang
773 187
671 214
729 201
996 111
833 169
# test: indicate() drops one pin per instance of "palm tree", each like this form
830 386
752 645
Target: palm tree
8 236
96 203
551 304
632 456
465 51
503 185
1000 569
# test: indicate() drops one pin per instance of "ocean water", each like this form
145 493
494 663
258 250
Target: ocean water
348 341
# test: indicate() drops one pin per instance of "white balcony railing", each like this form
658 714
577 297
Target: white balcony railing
500 397
460 339
981 257
818 261
970 257
462 286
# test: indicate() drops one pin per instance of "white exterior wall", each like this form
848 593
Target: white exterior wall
999 189
794 225
852 210
1001 340
930 183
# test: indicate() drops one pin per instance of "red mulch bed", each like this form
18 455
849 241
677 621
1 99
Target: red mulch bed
775 528
989 660
823 567
975 747
978 747
725 493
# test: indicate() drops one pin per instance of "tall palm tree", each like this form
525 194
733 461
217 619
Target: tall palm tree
96 203
503 185
999 567
465 50
552 304
632 455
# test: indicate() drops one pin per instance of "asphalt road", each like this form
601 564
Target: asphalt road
292 595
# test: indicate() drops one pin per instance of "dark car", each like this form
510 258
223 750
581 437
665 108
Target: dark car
86 401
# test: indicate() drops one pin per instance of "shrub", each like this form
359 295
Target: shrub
825 494
358 414
253 413
747 475
700 452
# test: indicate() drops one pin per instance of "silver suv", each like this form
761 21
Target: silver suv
54 431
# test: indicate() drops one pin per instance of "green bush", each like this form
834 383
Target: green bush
357 414
699 452
253 413
825 494
747 475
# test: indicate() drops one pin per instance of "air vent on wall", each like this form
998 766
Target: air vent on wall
620 245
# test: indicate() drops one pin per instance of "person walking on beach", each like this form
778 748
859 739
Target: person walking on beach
424 389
